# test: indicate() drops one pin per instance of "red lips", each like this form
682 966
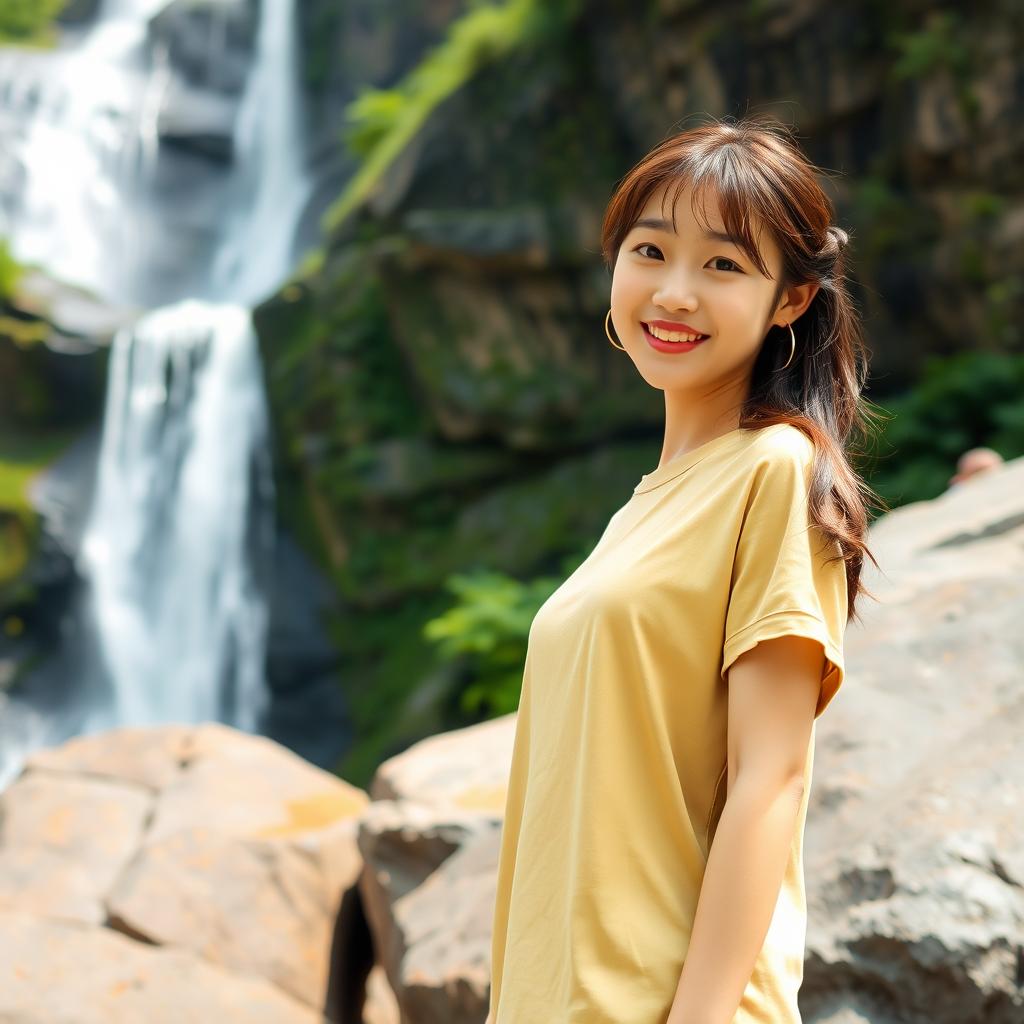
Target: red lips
669 325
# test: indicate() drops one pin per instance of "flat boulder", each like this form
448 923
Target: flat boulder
221 850
55 970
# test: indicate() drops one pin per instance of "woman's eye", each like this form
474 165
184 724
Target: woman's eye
647 245
726 260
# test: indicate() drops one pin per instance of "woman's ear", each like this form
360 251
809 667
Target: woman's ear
794 302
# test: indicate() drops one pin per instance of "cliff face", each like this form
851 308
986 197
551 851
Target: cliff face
53 362
444 393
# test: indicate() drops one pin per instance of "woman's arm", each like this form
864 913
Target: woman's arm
773 692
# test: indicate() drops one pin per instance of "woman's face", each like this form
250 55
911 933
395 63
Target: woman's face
698 283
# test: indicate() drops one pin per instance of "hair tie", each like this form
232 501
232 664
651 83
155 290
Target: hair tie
836 240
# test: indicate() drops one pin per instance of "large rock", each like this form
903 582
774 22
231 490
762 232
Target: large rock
198 119
445 973
465 769
208 47
430 841
210 42
915 834
224 854
65 840
77 320
55 970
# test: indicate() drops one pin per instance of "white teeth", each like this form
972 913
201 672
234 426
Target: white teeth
672 335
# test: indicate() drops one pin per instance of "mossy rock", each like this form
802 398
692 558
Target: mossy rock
520 526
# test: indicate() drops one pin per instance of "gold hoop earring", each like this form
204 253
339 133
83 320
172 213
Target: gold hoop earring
608 317
792 347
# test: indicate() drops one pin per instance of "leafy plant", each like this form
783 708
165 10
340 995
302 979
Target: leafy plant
967 400
487 631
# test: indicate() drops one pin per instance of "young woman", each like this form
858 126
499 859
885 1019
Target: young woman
651 861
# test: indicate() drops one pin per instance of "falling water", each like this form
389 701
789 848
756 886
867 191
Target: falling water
176 550
180 520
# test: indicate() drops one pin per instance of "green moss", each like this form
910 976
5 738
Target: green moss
35 393
381 123
890 222
387 663
309 266
939 45
334 377
18 535
942 45
21 458
10 271
1004 299
29 22
981 262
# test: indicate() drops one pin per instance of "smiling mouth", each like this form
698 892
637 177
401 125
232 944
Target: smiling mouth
681 337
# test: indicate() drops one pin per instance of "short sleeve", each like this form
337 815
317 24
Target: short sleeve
781 582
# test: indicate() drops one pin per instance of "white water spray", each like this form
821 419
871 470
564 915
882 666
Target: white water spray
177 546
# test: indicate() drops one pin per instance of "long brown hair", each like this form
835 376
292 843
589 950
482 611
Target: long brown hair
755 169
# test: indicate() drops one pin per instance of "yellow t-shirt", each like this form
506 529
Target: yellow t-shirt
618 774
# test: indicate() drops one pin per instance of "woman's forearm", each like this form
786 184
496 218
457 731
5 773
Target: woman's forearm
742 880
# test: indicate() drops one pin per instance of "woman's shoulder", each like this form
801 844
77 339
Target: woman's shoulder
782 442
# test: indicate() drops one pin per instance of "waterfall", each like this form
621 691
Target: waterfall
257 251
172 621
180 529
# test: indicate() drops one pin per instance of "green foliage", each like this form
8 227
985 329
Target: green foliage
486 633
21 457
943 45
388 671
309 265
967 400
1004 298
381 122
10 271
29 21
940 45
984 269
18 533
371 116
984 207
889 221
893 224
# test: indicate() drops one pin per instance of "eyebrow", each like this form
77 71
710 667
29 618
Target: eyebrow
663 225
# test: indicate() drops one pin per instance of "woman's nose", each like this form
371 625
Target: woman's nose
676 296
676 289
